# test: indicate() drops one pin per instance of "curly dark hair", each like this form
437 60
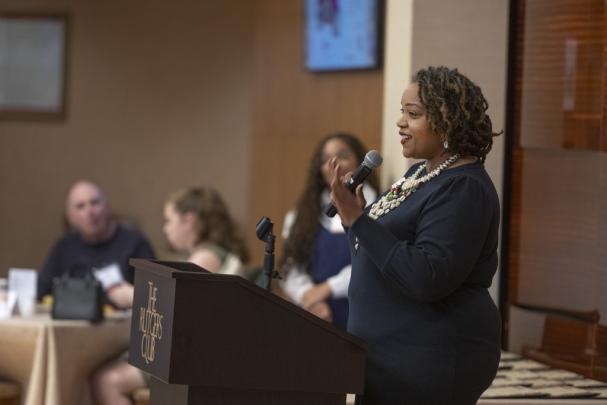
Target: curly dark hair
298 246
218 227
457 110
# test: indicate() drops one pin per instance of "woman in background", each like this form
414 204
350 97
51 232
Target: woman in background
316 258
196 222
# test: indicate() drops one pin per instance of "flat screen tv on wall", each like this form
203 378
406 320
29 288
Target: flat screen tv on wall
343 34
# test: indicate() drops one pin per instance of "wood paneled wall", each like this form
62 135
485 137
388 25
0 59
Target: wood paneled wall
164 95
558 221
294 108
562 74
560 241
159 99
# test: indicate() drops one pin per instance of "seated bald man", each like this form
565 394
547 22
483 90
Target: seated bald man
96 244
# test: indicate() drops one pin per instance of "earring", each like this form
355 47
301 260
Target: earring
446 144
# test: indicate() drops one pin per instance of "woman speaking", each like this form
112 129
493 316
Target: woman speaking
425 252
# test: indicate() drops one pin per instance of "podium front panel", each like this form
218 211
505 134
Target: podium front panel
152 324
231 335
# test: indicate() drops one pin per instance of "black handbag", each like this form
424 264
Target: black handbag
77 298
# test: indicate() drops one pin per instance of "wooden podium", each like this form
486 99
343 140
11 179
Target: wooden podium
216 339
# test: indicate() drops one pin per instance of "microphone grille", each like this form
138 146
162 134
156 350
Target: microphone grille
373 159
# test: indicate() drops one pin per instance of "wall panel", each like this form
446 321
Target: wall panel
294 108
558 224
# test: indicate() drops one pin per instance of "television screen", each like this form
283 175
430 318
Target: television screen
342 34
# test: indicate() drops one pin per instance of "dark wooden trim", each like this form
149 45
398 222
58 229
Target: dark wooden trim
509 131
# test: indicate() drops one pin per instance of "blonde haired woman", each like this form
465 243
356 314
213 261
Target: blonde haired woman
197 222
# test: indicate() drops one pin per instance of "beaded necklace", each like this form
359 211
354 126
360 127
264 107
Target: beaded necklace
406 186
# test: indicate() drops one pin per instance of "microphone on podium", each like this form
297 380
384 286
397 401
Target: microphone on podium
371 161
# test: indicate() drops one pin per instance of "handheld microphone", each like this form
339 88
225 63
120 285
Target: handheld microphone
371 161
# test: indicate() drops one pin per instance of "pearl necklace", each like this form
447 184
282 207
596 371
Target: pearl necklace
404 187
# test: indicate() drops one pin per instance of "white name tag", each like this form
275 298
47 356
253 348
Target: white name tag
109 275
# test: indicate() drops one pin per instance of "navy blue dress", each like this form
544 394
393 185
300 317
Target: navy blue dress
418 292
330 254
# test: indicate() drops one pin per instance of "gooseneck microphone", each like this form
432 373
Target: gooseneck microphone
371 161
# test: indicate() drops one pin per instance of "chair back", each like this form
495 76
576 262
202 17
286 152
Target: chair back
575 344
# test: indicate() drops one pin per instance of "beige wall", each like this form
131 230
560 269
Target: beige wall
397 73
470 35
159 98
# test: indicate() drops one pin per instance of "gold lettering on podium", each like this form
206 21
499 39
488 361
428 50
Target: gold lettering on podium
150 325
